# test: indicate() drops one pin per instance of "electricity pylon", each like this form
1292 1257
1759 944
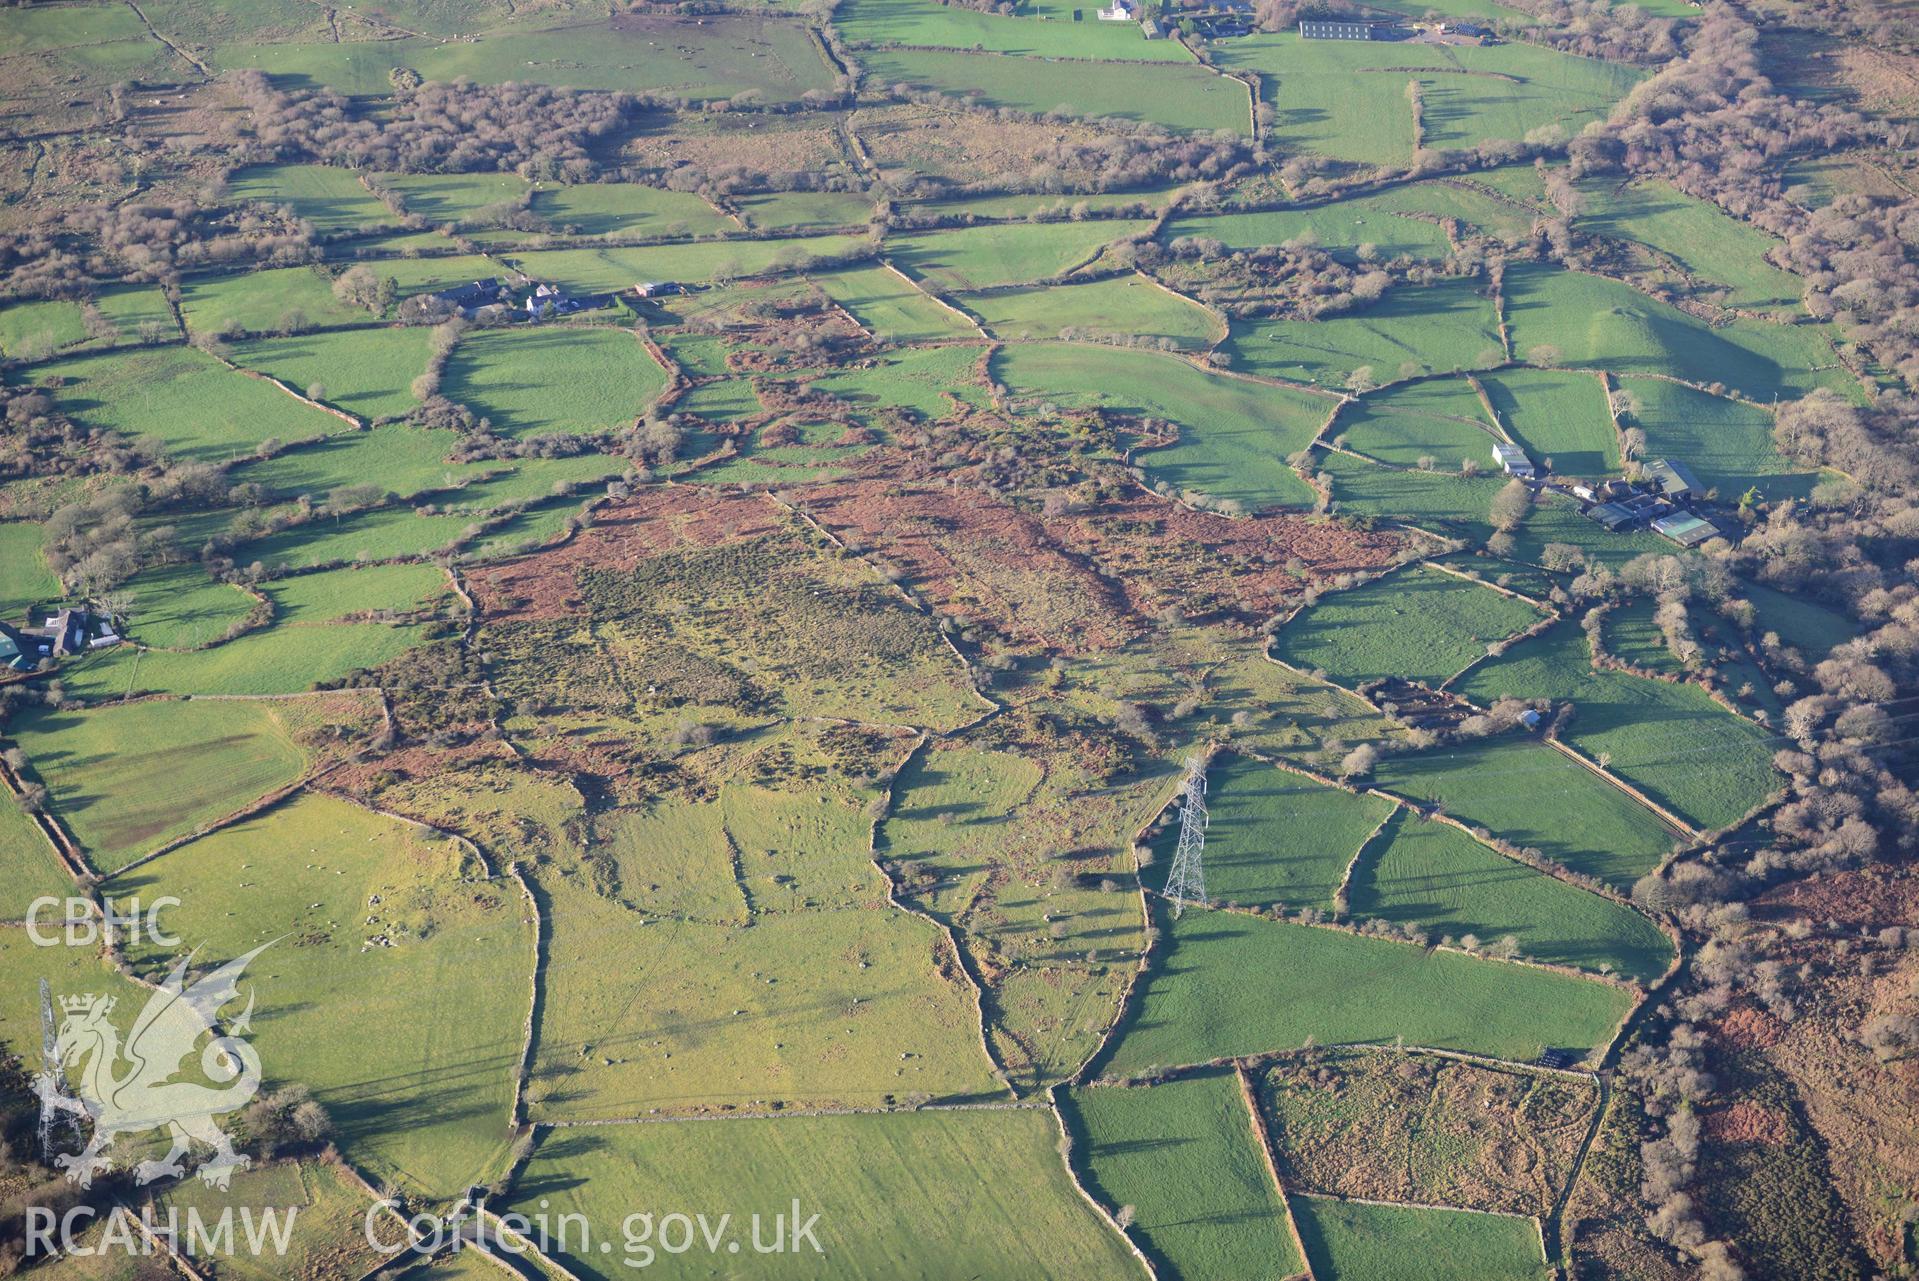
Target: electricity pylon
1187 881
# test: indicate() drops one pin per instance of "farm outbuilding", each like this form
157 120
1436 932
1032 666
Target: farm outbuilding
1674 480
66 631
17 651
1684 528
1513 461
1612 516
1331 29
471 297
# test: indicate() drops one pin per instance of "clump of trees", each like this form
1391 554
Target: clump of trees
146 241
538 131
1599 29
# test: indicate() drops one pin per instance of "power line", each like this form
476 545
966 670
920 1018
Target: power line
1187 881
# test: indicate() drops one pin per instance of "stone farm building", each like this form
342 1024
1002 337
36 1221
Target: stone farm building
540 301
67 631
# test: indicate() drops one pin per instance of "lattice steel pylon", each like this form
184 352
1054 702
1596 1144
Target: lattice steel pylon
1186 883
49 1061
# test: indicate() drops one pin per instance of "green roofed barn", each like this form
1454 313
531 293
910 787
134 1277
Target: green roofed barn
1685 528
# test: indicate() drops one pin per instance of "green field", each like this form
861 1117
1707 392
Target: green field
367 372
279 660
283 298
1438 422
127 779
332 199
1235 434
988 1195
328 1233
1444 502
396 458
1226 984
1726 255
1274 837
1373 221
694 1025
1420 623
1415 329
558 378
929 381
1184 1155
539 523
610 269
928 23
422 1091
987 256
1037 206
1502 203
1631 635
455 198
1180 97
1806 625
1538 798
1671 741
1727 445
375 535
794 210
1556 415
1120 309
725 399
628 209
181 607
92 42
1348 101
27 863
955 808
1594 323
1348 1241
25 577
891 307
34 30
197 410
332 595
531 480
1437 877
36 330
716 59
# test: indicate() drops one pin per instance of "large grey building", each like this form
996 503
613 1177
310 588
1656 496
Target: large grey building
1338 29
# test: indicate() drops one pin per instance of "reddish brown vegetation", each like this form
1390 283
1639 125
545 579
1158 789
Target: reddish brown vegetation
1070 583
979 560
1851 898
649 524
1744 1121
1166 554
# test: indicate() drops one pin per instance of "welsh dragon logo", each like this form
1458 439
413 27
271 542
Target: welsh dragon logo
129 1089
